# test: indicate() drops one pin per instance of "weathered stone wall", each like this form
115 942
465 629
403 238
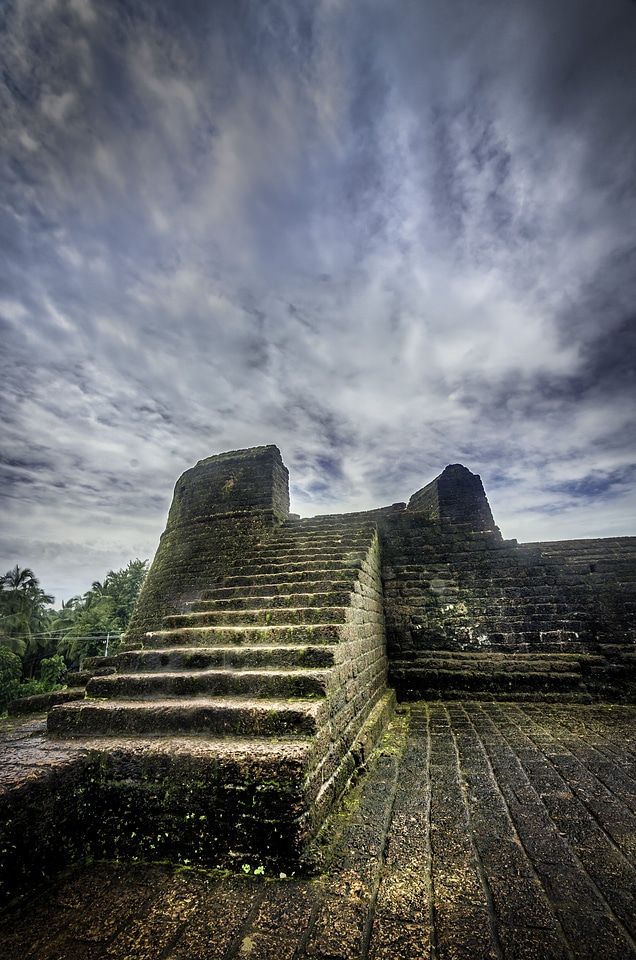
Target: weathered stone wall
360 677
448 588
220 509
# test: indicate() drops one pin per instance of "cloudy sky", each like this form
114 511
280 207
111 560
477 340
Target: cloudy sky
385 235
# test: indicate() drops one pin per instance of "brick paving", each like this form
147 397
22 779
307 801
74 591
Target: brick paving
484 830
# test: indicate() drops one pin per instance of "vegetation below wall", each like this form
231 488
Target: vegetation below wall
39 645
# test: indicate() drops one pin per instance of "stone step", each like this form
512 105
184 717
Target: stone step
473 656
336 598
79 678
257 684
317 540
210 658
285 577
619 653
212 801
258 567
483 667
324 633
278 589
289 537
471 680
308 551
219 717
330 524
285 616
39 702
300 560
510 695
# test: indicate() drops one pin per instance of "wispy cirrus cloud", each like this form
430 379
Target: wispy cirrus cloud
384 238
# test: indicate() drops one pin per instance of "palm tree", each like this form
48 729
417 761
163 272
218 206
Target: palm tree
25 619
18 579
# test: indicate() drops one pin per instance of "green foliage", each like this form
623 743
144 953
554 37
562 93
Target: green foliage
43 638
25 616
31 687
10 673
123 587
88 623
53 672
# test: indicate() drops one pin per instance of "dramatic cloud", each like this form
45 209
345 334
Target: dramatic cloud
385 237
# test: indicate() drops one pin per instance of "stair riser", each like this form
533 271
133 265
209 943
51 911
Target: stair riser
211 684
300 558
489 669
329 525
289 545
230 658
406 693
285 576
316 539
263 618
183 718
307 567
278 589
507 682
189 658
336 599
268 636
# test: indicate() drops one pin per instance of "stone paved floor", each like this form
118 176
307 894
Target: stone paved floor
485 831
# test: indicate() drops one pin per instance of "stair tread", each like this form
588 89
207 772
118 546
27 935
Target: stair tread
244 648
256 749
232 715
277 601
263 634
330 573
219 671
263 705
278 589
264 616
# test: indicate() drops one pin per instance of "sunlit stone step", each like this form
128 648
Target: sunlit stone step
323 633
210 658
285 576
304 567
287 545
220 717
264 587
331 599
286 616
212 683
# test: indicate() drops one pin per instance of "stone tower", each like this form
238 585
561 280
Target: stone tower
220 508
456 495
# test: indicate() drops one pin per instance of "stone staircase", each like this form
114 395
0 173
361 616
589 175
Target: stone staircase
580 677
269 691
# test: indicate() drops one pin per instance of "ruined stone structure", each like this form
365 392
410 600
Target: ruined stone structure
265 653
258 648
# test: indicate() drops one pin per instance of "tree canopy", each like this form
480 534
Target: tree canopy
39 643
92 624
24 613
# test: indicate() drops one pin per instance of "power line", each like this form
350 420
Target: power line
60 635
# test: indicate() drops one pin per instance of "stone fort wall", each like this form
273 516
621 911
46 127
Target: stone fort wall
450 581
